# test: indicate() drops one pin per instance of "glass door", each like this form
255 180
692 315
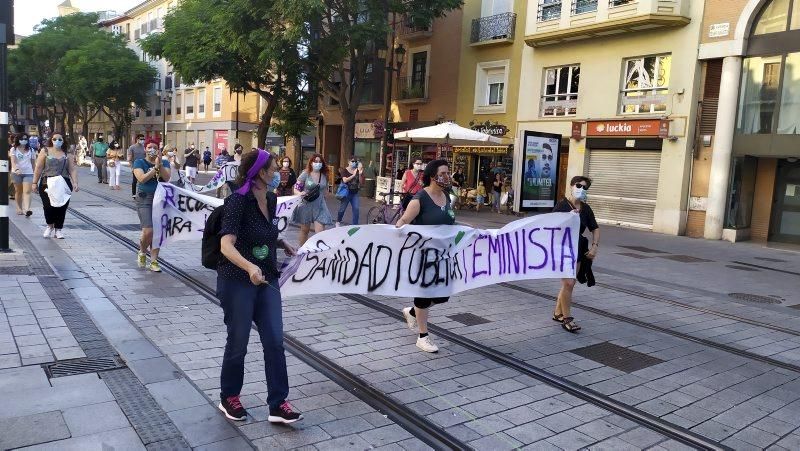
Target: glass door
786 213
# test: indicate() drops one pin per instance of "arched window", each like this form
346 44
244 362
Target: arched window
776 16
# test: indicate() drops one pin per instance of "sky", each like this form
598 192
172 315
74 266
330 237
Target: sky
28 13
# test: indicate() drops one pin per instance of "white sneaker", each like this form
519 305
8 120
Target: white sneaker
47 232
410 320
59 234
426 344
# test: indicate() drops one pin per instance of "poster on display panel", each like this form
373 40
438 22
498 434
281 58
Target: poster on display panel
539 170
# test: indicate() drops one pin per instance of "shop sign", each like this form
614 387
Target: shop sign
369 130
481 150
496 130
220 140
577 130
33 130
539 170
719 30
646 127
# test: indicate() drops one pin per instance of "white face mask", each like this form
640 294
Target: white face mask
286 164
141 142
579 193
170 153
23 142
418 167
316 166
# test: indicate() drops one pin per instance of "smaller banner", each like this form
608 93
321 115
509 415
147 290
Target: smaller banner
225 173
432 261
180 214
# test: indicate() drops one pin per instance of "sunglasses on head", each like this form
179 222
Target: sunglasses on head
582 186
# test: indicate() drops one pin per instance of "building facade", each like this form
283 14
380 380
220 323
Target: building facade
492 43
424 93
748 183
618 81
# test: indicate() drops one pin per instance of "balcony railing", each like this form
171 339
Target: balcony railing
493 28
412 88
408 30
583 6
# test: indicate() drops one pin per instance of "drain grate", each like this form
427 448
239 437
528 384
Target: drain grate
685 259
756 298
617 357
468 319
16 270
646 250
742 268
632 255
82 366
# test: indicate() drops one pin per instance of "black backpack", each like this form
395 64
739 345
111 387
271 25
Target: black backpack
211 249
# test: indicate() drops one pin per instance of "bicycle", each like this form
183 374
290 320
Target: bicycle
386 213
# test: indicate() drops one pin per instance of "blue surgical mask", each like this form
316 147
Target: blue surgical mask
275 182
316 166
579 193
57 143
141 142
354 164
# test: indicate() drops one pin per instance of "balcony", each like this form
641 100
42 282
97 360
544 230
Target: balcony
410 32
560 21
490 30
412 90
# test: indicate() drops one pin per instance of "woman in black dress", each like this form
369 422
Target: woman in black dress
576 202
430 206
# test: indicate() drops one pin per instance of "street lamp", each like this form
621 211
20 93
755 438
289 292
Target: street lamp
396 58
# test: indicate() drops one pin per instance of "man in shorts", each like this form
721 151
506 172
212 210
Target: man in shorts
191 162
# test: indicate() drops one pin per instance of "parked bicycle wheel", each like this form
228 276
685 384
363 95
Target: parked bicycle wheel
375 215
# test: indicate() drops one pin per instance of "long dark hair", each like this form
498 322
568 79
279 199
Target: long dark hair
248 160
431 169
19 136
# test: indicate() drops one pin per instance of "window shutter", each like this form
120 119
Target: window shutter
708 113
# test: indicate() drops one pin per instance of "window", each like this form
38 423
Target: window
758 95
160 18
789 122
549 10
217 100
614 3
332 101
201 102
157 106
773 18
560 92
646 84
494 7
189 103
490 87
583 6
178 104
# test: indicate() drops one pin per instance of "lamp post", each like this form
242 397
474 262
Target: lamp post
165 97
396 58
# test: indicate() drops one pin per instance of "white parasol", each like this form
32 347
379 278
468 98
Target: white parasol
447 133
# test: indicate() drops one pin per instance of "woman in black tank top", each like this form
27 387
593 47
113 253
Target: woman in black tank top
430 206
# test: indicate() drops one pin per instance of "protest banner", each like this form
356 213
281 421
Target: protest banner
432 261
180 214
225 173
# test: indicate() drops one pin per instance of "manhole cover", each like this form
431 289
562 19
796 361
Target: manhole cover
617 357
684 258
756 298
742 268
632 255
646 250
468 319
82 366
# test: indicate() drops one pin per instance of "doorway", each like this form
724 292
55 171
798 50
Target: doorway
786 210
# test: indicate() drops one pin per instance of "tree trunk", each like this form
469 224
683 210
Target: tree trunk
71 127
348 134
85 130
266 120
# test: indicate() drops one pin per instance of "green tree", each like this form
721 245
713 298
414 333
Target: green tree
244 42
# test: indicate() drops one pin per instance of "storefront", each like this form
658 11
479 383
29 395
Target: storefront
623 159
481 162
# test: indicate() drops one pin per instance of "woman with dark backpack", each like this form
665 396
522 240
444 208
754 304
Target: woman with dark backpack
247 285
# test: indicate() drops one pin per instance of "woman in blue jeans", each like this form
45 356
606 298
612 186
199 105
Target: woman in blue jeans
247 285
351 176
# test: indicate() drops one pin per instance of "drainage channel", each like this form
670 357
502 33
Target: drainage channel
153 426
684 336
405 417
638 416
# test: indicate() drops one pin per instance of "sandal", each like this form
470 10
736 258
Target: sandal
559 318
570 325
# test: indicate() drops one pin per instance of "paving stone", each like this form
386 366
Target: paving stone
29 430
95 418
497 442
559 422
353 442
713 430
530 432
298 437
385 435
176 394
231 444
641 437
125 438
346 426
202 425
571 440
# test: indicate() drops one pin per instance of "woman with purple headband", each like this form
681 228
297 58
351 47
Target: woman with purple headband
247 285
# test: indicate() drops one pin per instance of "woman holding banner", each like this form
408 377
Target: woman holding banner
430 206
247 285
576 202
312 185
148 171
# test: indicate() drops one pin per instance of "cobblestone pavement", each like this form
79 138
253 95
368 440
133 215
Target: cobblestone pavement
661 333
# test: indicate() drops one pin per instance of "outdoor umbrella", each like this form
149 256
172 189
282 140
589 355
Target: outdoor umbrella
447 133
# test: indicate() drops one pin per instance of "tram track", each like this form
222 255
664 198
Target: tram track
404 416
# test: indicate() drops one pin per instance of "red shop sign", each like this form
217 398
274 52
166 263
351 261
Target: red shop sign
645 127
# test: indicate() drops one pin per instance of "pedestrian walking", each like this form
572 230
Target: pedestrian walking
206 158
288 178
247 285
575 202
148 171
23 158
53 162
411 183
312 184
351 176
430 206
190 163
99 151
497 191
113 162
237 152
135 152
